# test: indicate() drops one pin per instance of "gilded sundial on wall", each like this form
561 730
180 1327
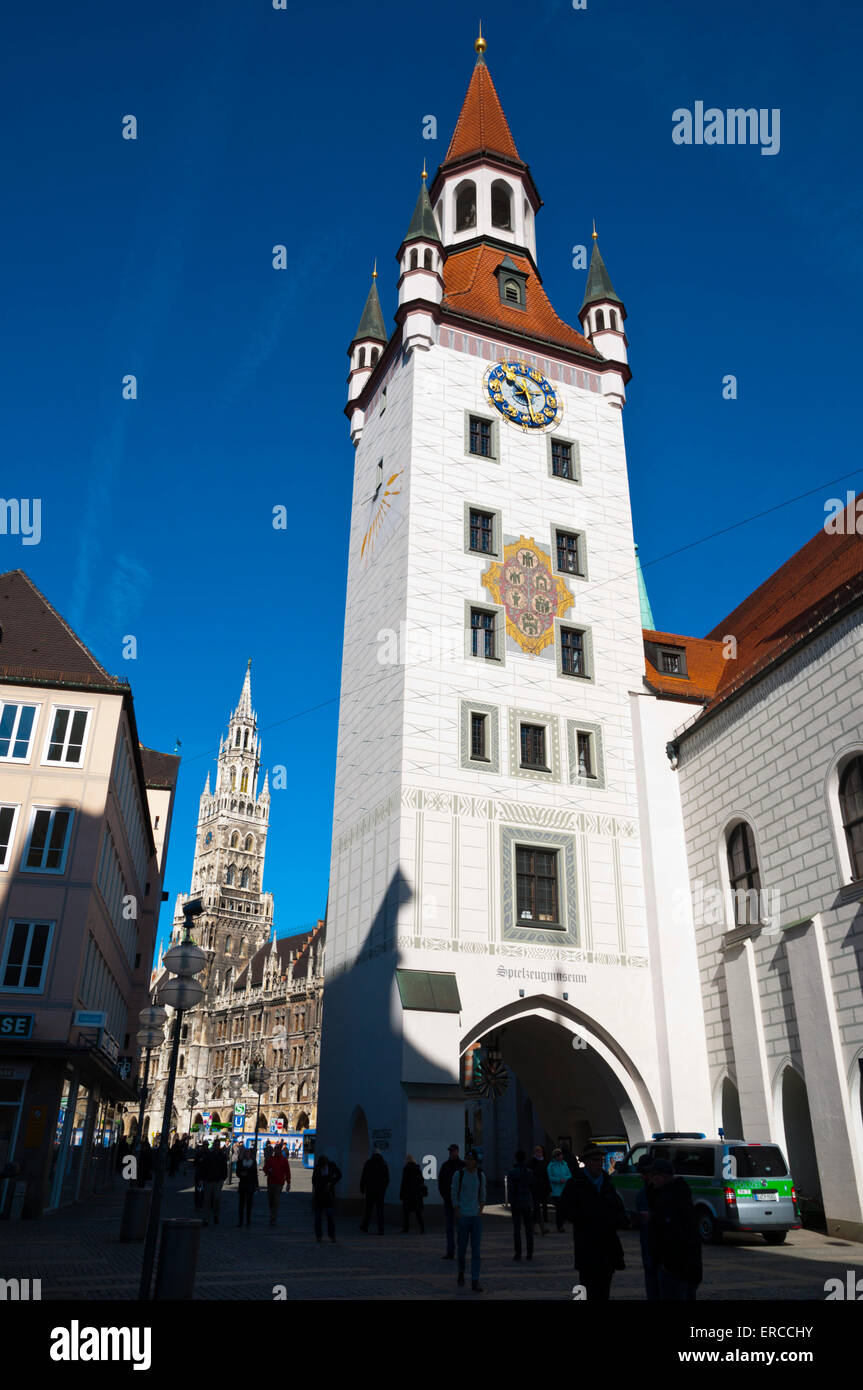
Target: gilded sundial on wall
381 504
531 594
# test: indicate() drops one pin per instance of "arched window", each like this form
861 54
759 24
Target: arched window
244 784
851 808
427 260
242 808
600 319
237 739
743 875
235 840
229 876
612 319
227 945
414 259
511 293
465 205
233 779
182 1066
361 358
246 739
375 355
250 844
244 879
501 205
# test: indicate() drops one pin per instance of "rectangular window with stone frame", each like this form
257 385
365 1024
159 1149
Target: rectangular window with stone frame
537 888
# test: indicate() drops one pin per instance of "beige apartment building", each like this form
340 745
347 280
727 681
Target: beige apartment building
85 814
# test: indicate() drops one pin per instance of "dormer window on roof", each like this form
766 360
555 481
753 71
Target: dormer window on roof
512 284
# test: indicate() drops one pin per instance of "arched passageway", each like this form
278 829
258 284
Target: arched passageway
799 1139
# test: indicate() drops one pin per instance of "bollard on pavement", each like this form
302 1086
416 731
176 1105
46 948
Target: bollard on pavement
178 1258
136 1209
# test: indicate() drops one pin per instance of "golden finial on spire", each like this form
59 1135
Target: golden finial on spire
375 271
425 174
480 44
249 667
594 229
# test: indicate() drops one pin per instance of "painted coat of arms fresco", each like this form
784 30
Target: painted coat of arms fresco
531 594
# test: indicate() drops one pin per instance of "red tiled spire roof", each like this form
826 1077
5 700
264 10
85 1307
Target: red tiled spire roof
471 289
481 124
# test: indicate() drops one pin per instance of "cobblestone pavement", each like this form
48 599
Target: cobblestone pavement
77 1254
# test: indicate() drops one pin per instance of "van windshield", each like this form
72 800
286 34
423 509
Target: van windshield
759 1161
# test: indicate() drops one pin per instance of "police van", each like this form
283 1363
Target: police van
735 1185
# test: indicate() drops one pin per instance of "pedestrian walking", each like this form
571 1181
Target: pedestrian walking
559 1174
374 1181
411 1194
519 1194
468 1195
643 1201
593 1205
278 1171
325 1175
201 1152
247 1183
445 1178
215 1170
175 1154
541 1188
673 1232
145 1163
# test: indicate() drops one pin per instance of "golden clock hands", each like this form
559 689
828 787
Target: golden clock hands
518 381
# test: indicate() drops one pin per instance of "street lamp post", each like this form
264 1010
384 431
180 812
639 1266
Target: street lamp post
151 1034
259 1075
184 961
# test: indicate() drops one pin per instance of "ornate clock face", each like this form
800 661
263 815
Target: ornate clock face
523 395
381 504
208 838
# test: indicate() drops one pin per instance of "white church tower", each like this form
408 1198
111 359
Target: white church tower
487 881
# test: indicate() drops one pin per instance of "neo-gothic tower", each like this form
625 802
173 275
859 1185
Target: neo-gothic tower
492 874
230 846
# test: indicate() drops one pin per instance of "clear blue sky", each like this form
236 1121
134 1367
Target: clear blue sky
257 127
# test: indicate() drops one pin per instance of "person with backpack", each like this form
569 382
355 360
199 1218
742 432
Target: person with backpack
468 1195
559 1175
278 1171
214 1174
374 1181
411 1194
247 1177
673 1237
519 1194
325 1175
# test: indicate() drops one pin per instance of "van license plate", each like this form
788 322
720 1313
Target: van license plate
767 1196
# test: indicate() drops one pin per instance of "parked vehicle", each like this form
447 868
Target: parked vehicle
735 1185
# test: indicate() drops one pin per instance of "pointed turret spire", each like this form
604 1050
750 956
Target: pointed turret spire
245 705
646 611
423 226
481 125
207 786
265 790
371 325
599 288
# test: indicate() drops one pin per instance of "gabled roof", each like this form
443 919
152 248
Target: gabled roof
160 769
35 641
814 584
286 948
481 127
471 289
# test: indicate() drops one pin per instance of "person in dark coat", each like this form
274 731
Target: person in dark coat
643 1201
520 1195
374 1181
594 1206
445 1178
201 1152
541 1187
145 1163
411 1194
175 1155
247 1175
673 1232
325 1175
214 1172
